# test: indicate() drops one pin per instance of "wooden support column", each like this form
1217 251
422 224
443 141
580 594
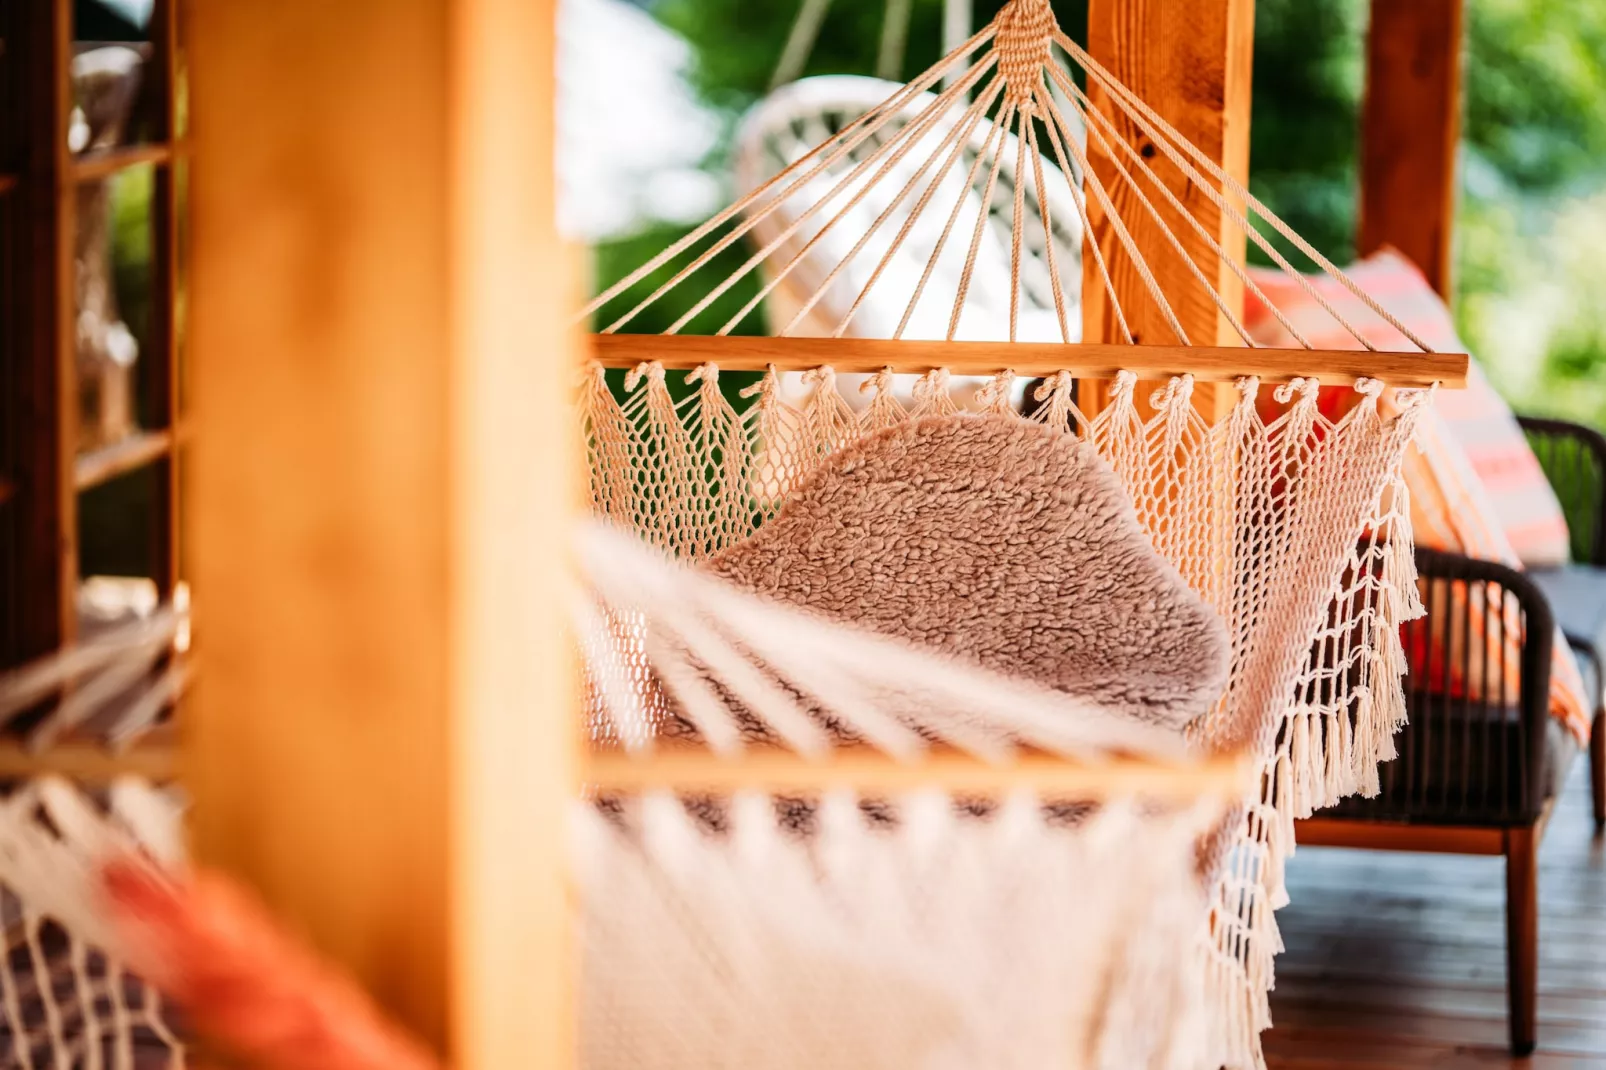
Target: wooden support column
1193 64
381 735
1411 127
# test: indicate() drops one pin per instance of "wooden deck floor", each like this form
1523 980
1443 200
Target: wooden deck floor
1398 960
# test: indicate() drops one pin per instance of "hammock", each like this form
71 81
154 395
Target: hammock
1294 528
892 920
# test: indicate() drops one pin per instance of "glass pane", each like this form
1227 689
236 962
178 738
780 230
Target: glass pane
114 99
113 283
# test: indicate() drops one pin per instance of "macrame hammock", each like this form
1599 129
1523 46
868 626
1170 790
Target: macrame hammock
1291 526
861 792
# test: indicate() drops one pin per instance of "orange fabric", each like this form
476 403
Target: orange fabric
1476 487
243 983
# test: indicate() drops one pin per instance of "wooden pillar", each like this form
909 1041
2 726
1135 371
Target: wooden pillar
1410 129
381 735
1193 64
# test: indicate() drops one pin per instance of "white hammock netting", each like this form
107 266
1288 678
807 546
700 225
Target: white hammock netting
65 999
1059 888
948 216
785 907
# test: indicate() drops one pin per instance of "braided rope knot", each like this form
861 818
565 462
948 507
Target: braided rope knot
1177 389
1060 382
931 385
880 382
994 393
1024 45
1305 388
707 374
651 370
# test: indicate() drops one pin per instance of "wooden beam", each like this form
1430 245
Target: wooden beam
1410 130
41 355
868 770
153 758
1207 364
1193 63
380 736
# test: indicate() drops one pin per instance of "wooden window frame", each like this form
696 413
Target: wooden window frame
42 473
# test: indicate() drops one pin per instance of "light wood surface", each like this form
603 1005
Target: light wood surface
379 739
1192 63
867 770
1398 960
1204 363
1410 132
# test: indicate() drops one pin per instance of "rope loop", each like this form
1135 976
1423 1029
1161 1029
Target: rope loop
822 378
995 392
764 389
1248 387
1059 383
880 383
1305 388
1178 389
1125 384
707 374
651 370
932 385
1371 388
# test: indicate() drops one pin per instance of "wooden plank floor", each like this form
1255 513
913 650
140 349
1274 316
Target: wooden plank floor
1398 960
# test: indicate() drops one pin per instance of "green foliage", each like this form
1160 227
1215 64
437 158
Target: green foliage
1309 66
1536 89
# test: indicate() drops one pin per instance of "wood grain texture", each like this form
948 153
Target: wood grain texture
1398 960
1192 63
40 357
379 739
867 770
1098 361
1410 129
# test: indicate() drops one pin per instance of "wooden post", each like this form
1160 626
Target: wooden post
1410 129
1193 64
381 735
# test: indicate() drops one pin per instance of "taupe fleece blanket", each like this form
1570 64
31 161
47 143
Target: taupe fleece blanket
1000 541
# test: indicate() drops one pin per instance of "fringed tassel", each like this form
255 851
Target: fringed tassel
885 410
932 397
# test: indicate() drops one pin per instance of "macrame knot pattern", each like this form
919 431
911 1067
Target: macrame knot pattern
823 378
1024 46
764 389
995 393
1060 383
931 386
1305 389
652 371
880 383
1125 384
1178 391
1412 399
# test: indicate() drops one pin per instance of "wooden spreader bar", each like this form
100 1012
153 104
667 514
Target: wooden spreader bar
1084 360
865 770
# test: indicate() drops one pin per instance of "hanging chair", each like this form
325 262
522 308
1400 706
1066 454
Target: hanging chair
1293 528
